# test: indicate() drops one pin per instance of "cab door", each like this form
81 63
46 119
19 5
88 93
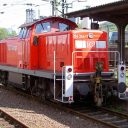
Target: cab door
26 48
20 47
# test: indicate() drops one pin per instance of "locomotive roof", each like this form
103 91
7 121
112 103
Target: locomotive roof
49 19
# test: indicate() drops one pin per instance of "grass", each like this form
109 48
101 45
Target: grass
116 108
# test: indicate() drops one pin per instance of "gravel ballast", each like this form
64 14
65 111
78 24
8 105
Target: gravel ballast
39 115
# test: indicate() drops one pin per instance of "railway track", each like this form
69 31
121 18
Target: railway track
101 115
7 121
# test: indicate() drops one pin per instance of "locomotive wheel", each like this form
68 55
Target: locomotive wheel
49 89
38 88
26 82
4 78
33 85
42 89
58 89
42 95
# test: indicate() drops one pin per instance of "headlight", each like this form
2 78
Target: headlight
69 77
121 87
122 75
122 68
69 69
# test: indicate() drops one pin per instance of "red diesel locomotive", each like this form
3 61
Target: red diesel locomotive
52 58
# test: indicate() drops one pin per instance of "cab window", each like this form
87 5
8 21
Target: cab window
22 33
39 28
63 27
28 33
43 27
46 27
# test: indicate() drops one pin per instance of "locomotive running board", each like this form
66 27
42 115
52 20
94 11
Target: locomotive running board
40 73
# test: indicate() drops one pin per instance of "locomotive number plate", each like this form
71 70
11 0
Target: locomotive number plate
79 36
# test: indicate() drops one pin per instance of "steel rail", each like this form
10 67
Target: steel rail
86 111
13 120
81 115
114 112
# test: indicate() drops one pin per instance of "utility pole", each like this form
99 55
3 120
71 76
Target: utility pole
56 7
53 7
66 6
63 7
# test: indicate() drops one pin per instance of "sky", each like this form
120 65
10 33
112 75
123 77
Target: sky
14 12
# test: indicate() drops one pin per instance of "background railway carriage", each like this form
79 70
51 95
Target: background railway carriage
52 58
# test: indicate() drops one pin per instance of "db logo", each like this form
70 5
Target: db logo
90 44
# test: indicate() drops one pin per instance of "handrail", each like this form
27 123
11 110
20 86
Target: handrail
54 74
116 52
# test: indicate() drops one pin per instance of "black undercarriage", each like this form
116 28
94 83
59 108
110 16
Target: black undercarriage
95 89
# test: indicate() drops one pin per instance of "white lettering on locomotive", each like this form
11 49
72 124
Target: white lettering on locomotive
12 48
79 36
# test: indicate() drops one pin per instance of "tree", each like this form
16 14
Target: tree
4 33
12 33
